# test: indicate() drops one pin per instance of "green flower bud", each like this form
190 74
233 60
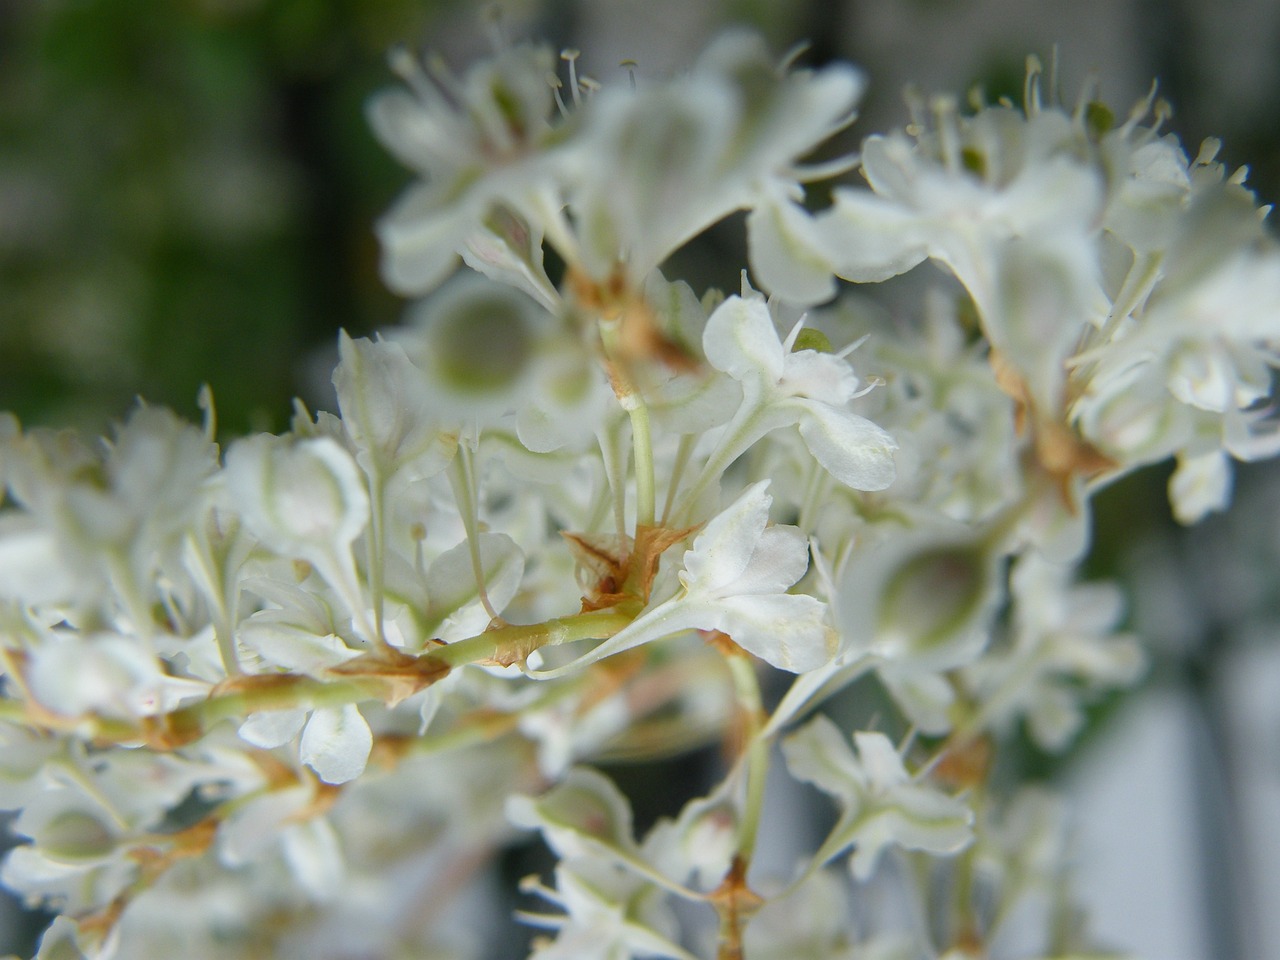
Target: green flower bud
934 596
480 341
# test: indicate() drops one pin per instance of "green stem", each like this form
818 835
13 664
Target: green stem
632 401
463 480
507 644
747 686
740 433
514 642
683 453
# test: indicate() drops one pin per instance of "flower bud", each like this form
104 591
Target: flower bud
932 597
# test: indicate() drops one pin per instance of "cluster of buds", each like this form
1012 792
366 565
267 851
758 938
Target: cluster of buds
292 695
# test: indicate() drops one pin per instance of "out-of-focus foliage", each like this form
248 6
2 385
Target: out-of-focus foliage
186 188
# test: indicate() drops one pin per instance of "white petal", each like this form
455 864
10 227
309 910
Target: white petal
420 240
32 568
584 814
820 754
1200 485
455 609
786 256
250 830
272 728
851 448
315 859
869 238
336 744
780 558
723 550
789 632
304 498
880 760
741 340
938 825
386 412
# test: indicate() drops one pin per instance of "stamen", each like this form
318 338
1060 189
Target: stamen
547 921
844 352
914 100
872 383
533 884
204 400
826 170
554 83
570 56
1088 94
631 71
1140 109
445 78
1031 86
1055 94
944 111
789 343
1163 111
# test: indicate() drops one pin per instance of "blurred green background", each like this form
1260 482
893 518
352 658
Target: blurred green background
186 194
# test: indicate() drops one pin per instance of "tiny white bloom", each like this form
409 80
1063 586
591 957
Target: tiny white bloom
782 387
881 804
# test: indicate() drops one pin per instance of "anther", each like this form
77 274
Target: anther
570 56
630 66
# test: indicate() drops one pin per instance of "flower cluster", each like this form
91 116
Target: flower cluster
291 695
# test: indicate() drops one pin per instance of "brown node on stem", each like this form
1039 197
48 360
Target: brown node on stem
1061 454
624 568
169 731
965 764
323 797
400 674
640 337
251 683
735 903
153 861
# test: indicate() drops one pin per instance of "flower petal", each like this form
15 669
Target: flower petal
851 448
741 340
723 550
336 744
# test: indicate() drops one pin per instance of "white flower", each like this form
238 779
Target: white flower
610 914
111 518
734 581
782 387
881 805
584 815
487 141
673 159
921 597
106 674
1064 650
1007 203
387 412
305 499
